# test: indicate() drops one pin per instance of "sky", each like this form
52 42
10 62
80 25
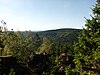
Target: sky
40 15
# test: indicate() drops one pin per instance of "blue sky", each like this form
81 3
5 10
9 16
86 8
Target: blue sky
36 15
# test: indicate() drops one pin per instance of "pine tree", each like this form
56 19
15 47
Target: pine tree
36 41
26 48
46 46
87 50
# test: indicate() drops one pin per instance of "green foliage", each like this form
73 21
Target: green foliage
88 47
70 71
17 45
36 41
23 46
26 50
46 46
12 72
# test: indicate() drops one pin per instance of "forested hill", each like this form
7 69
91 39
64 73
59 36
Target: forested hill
58 32
65 34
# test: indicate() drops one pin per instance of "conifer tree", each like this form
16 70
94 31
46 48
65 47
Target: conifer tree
46 46
87 50
36 41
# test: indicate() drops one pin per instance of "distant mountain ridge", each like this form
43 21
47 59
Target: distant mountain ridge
62 29
56 31
65 34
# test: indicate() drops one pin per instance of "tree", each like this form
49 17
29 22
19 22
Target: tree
87 50
26 48
2 30
18 45
36 41
46 46
1 43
